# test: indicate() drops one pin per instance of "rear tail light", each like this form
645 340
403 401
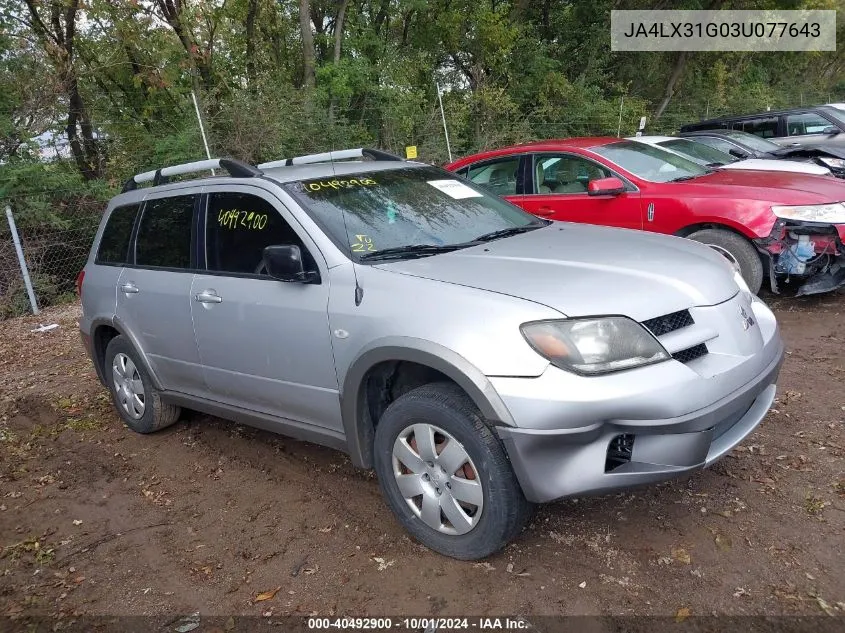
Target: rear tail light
79 279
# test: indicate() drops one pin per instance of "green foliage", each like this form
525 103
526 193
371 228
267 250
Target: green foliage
510 71
15 301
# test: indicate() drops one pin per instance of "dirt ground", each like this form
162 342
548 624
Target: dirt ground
207 515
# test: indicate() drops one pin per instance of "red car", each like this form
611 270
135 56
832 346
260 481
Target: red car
778 225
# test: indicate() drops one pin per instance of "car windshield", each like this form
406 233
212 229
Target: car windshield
698 152
649 162
835 113
406 209
754 142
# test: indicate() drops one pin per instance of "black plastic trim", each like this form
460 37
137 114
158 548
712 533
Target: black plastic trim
274 424
239 169
359 429
377 154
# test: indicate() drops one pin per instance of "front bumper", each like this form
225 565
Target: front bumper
554 460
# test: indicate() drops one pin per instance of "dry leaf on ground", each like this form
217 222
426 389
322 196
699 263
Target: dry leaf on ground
267 595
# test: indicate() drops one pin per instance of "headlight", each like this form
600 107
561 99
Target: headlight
836 163
593 346
830 213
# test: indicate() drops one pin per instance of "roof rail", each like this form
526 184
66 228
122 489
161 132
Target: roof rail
328 157
236 169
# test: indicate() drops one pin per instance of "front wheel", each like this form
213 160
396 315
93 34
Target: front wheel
445 475
739 252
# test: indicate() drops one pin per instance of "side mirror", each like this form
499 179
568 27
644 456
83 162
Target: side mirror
605 187
831 130
284 262
737 153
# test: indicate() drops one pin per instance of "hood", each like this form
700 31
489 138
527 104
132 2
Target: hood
777 187
762 164
810 151
583 270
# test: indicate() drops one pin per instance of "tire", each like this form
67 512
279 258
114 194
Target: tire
482 528
740 249
148 413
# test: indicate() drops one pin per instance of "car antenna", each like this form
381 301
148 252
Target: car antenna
359 291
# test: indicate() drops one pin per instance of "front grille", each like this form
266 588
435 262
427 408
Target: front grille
669 322
619 452
691 353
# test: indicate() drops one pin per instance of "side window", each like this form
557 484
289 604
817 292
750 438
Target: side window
164 234
716 143
806 123
765 127
565 173
237 229
114 244
499 176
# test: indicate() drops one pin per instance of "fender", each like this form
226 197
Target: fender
752 219
356 424
118 325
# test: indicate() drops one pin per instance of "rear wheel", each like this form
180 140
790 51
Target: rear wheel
738 251
445 474
135 398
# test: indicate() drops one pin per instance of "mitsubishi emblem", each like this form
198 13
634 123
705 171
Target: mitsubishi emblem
747 321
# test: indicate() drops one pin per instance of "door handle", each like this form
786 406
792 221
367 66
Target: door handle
208 296
129 288
544 211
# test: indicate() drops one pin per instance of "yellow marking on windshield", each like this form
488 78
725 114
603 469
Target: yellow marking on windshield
339 184
362 244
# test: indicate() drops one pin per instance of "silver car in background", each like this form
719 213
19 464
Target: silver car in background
480 359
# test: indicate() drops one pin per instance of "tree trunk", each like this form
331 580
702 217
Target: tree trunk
173 14
677 70
80 133
381 17
58 43
308 55
338 29
251 14
338 41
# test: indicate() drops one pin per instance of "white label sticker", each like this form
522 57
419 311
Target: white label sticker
455 189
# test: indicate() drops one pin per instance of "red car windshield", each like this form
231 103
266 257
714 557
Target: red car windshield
649 162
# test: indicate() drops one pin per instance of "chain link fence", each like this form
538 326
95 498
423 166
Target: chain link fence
56 222
53 253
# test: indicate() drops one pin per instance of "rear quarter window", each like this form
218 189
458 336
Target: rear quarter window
114 244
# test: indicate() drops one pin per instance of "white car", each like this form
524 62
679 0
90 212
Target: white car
712 157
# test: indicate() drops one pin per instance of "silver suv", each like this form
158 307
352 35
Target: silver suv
479 358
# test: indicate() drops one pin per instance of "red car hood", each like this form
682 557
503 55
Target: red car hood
775 187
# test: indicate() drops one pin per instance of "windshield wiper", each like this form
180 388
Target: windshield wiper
410 251
683 178
514 230
715 165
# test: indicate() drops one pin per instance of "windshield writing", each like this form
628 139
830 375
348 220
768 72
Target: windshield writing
405 207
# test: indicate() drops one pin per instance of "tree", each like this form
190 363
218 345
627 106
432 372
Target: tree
56 32
308 54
